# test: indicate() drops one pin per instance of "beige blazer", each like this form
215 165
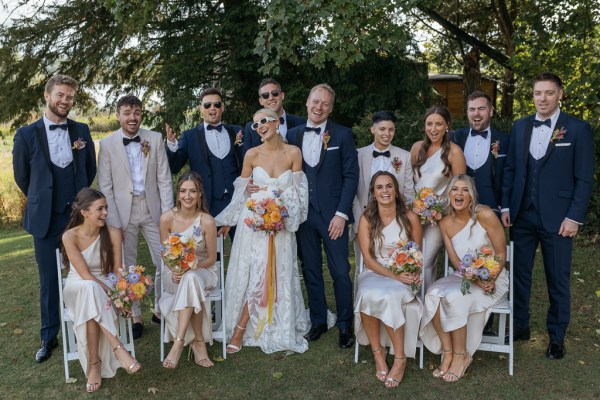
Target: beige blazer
114 177
404 175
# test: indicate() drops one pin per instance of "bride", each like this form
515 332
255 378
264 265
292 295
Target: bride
264 304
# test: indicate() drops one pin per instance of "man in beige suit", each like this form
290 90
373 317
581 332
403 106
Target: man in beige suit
381 155
134 175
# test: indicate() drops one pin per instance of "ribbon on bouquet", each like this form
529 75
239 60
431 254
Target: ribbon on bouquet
269 295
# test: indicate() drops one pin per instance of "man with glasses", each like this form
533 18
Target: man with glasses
212 152
270 96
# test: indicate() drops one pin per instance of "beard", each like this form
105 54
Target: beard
58 111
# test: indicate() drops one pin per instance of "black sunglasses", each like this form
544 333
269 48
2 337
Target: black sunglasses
207 105
274 93
262 121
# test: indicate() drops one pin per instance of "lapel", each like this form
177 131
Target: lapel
201 136
119 148
231 135
493 137
144 156
462 138
527 138
73 136
40 131
323 150
561 122
300 137
366 163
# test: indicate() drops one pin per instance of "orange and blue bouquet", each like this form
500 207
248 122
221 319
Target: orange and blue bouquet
179 252
268 213
128 285
406 257
427 205
480 265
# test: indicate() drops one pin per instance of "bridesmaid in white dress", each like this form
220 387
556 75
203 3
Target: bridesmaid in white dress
452 322
435 159
386 311
184 302
92 250
252 320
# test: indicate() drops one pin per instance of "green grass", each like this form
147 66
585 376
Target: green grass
323 372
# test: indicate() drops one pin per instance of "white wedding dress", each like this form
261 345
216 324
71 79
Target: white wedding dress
245 278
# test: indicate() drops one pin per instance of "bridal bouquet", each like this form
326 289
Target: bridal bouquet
179 252
129 285
406 257
268 213
481 265
427 205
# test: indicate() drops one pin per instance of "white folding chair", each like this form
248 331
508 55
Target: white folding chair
360 265
216 296
69 340
503 309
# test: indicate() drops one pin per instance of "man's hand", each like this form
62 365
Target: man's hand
171 137
336 227
224 230
505 219
568 228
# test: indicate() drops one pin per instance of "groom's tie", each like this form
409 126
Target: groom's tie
537 123
383 153
312 129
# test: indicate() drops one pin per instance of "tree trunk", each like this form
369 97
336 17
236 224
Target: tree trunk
471 74
508 93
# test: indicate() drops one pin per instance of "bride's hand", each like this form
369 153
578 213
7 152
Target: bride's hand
251 187
224 230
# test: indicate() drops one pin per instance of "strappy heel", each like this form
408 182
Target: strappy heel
380 374
170 364
438 372
393 382
451 376
135 365
232 348
95 386
203 362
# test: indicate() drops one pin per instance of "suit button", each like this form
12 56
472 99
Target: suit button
130 192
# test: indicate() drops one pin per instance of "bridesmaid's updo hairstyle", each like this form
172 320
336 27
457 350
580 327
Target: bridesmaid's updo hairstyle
84 200
374 219
197 180
422 155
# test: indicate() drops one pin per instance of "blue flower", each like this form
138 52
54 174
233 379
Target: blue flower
113 278
133 278
467 259
430 200
484 273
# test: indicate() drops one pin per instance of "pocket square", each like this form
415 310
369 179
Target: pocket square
501 155
333 148
562 144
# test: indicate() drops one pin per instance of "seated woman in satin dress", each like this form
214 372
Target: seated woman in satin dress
452 322
184 302
387 312
92 250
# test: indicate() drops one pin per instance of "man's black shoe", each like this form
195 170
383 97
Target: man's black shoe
315 332
155 319
45 351
519 334
556 351
346 338
137 330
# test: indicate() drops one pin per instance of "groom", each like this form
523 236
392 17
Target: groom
331 167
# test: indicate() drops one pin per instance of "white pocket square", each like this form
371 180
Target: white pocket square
562 144
501 155
333 148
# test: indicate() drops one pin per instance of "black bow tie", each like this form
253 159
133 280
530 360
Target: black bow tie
126 141
384 153
537 123
483 134
311 129
281 121
210 127
59 126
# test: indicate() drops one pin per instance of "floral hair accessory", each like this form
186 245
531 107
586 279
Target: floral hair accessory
396 163
326 139
145 147
78 144
558 134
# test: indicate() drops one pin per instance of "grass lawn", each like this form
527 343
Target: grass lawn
325 371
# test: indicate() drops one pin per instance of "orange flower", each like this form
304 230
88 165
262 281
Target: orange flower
401 258
122 285
479 262
173 239
275 216
486 250
190 257
410 260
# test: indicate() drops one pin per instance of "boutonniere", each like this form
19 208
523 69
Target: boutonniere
145 147
326 139
396 163
495 148
558 134
239 138
78 144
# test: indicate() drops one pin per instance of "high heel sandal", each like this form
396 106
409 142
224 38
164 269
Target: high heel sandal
380 374
203 362
451 376
438 372
135 365
232 348
393 382
170 364
95 386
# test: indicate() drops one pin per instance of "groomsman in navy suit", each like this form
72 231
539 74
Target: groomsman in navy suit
212 151
331 167
53 158
547 185
270 96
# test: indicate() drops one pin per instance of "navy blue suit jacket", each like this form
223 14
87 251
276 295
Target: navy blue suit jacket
566 176
192 147
337 176
33 171
252 139
495 180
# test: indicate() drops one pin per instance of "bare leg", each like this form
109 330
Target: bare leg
183 320
397 372
199 345
235 343
93 373
371 326
446 340
461 358
128 363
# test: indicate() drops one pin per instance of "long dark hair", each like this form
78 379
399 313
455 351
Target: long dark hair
374 219
422 155
83 201
197 180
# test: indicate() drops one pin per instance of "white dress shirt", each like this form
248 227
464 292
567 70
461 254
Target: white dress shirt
283 127
59 144
477 149
381 163
134 155
540 136
218 141
312 144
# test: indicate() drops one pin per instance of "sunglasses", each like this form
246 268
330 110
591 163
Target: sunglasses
207 105
262 121
274 93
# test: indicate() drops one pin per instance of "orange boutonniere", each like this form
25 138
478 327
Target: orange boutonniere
558 134
495 148
326 139
145 147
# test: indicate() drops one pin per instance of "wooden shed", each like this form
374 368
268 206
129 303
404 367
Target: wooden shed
451 88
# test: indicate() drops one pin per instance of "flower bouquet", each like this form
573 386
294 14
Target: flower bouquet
269 213
179 252
427 205
129 285
406 257
480 265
